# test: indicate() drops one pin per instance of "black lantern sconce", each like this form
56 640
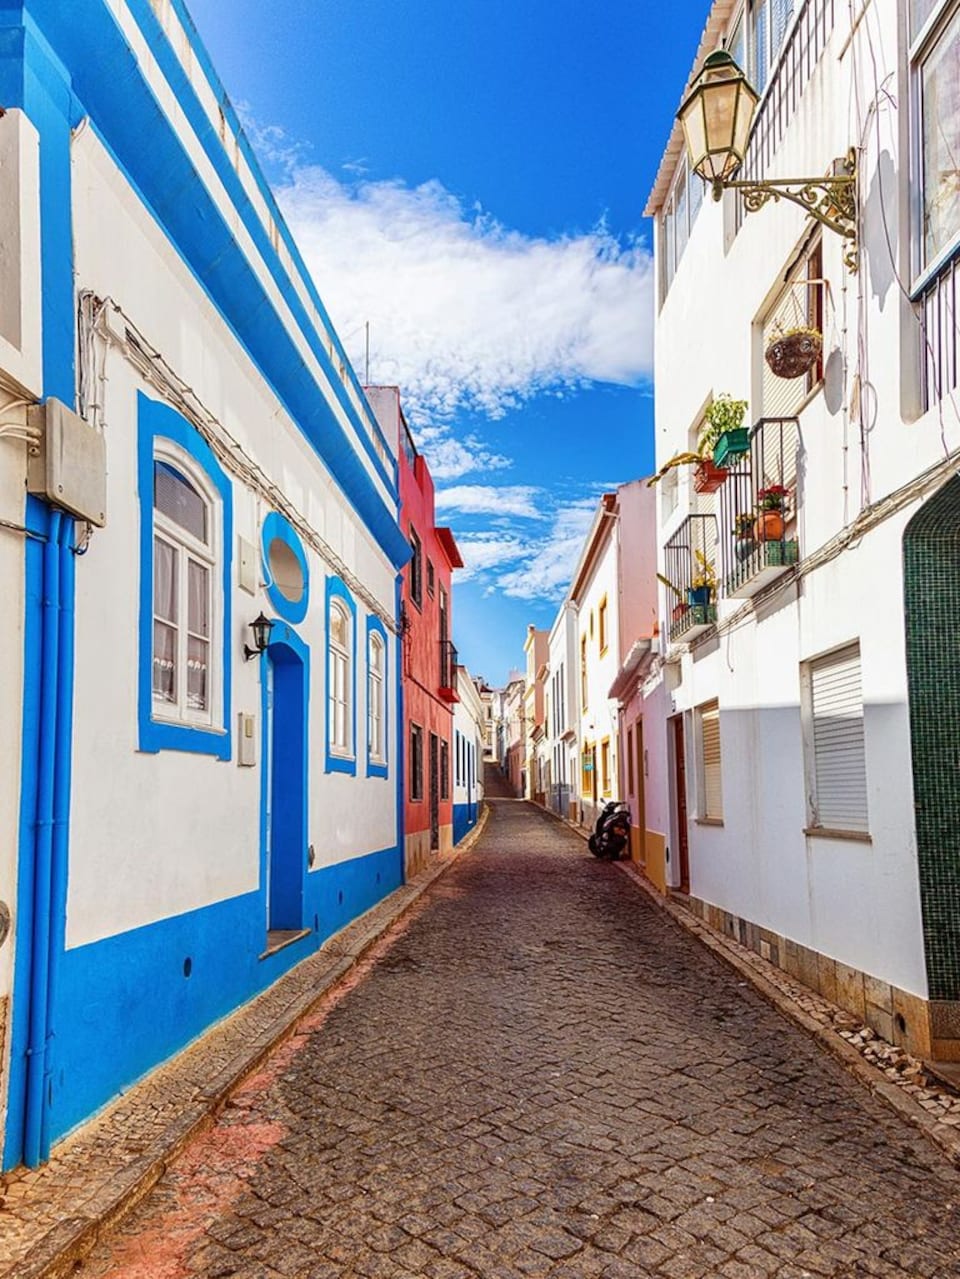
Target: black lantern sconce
717 116
261 637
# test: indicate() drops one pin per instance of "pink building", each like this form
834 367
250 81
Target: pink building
638 639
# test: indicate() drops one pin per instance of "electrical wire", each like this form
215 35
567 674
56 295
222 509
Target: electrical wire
156 370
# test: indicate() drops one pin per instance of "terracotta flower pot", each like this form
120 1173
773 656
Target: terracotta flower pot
707 477
769 526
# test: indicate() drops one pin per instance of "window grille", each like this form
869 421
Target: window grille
416 762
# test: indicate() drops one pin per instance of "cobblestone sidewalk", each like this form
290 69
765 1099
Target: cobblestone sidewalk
544 1076
51 1216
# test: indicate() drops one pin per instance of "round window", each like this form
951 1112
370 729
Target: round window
286 570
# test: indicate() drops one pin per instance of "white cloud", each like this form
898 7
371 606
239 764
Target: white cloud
519 500
547 570
450 458
465 314
487 551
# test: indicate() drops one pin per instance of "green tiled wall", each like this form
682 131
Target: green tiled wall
931 562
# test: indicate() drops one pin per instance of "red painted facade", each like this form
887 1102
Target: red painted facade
429 676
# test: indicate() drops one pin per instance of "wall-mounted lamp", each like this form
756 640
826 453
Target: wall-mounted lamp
261 637
717 116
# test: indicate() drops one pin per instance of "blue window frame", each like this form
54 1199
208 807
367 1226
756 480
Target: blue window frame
286 568
341 722
377 717
186 542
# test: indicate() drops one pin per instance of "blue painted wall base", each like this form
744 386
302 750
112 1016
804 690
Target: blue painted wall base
464 820
127 1003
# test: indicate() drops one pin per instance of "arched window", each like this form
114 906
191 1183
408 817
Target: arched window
184 572
340 681
376 747
186 530
341 678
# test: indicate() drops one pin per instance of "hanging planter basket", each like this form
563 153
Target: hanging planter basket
794 353
708 477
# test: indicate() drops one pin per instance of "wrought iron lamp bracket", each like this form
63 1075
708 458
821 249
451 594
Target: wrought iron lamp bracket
831 200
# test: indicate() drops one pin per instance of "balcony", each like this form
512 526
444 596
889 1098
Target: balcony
690 558
448 672
758 507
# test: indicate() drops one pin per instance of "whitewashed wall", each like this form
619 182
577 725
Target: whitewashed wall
857 902
164 859
598 719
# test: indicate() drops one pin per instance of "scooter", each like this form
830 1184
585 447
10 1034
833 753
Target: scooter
611 834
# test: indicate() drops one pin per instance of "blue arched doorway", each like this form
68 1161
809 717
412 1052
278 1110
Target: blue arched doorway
286 676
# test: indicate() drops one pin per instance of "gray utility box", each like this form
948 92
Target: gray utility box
69 468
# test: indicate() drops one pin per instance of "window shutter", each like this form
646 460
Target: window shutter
710 746
840 767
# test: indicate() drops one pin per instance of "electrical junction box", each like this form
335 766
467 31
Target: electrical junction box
69 467
247 740
247 560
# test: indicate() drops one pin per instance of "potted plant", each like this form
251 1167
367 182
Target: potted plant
707 477
704 582
792 352
725 434
744 542
681 605
769 525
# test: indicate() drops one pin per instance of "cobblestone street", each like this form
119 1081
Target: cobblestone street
543 1076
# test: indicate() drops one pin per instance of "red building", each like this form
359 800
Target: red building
429 670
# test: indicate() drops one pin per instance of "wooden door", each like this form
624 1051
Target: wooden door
683 851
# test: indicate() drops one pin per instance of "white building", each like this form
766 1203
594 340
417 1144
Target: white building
815 802
595 597
469 737
488 696
536 779
563 713
178 824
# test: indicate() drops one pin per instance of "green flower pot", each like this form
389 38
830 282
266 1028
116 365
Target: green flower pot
731 444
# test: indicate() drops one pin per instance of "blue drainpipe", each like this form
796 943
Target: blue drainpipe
61 809
43 846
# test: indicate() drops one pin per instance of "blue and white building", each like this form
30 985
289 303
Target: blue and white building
183 447
469 738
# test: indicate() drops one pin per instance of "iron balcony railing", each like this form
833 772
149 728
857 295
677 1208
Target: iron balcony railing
794 66
448 670
940 334
690 572
758 507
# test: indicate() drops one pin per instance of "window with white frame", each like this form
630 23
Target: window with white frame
677 219
340 623
710 803
935 67
836 767
375 670
766 27
184 573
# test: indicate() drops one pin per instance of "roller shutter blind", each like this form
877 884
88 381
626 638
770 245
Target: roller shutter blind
710 747
840 767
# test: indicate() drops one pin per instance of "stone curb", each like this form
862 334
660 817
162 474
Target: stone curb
872 1078
64 1247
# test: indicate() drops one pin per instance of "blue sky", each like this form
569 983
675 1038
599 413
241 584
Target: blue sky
470 177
